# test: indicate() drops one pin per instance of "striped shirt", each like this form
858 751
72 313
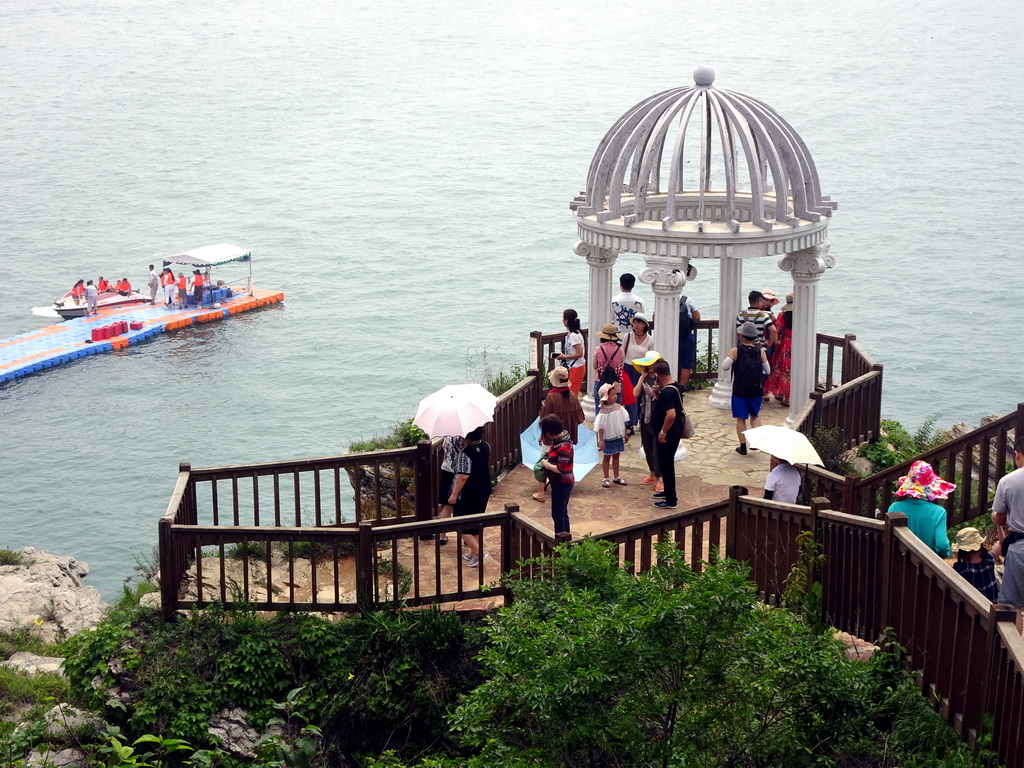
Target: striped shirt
761 320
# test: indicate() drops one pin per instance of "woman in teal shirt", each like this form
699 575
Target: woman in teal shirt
916 496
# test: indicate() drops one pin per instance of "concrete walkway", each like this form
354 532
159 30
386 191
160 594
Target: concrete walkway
704 477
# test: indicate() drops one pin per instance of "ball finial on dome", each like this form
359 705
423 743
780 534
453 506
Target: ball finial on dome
703 76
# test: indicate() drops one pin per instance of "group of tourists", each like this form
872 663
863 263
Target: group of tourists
917 496
176 289
90 292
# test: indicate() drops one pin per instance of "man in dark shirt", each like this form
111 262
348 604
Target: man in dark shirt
668 415
749 365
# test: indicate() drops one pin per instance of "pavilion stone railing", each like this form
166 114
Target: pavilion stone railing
975 462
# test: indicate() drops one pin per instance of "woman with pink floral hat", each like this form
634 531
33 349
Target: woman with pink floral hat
915 496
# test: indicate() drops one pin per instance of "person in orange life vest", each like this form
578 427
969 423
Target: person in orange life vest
198 285
183 290
78 291
103 285
123 286
167 278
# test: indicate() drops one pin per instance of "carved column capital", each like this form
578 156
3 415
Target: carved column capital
808 264
595 256
663 275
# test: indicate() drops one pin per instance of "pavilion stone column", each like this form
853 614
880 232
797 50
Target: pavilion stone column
730 302
599 311
666 276
806 266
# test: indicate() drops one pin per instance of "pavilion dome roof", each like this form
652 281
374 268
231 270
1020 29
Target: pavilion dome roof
702 156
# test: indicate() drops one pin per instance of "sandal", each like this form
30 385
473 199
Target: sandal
538 497
606 483
648 480
659 488
619 481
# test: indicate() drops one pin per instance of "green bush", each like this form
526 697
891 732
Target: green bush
596 666
404 434
367 681
896 444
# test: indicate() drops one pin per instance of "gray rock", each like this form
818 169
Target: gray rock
65 758
45 593
235 733
31 664
64 718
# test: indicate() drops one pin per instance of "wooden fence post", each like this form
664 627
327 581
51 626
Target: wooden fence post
730 519
169 575
850 505
893 520
509 548
817 503
364 566
997 613
844 371
537 349
1018 426
423 481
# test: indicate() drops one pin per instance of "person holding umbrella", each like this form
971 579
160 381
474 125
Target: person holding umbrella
472 489
465 483
786 447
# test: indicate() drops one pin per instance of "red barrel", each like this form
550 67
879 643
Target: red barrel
122 327
97 334
105 331
135 325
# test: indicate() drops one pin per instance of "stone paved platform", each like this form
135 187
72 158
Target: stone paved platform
704 477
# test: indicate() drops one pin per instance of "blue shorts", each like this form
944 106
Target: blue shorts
614 445
745 407
688 352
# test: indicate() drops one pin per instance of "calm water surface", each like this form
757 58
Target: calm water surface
402 172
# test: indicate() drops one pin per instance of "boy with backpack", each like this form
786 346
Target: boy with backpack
749 366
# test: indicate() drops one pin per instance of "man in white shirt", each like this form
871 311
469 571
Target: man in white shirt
626 304
1008 510
783 482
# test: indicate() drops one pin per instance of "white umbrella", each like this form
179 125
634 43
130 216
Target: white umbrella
786 444
456 409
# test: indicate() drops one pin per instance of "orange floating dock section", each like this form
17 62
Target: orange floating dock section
114 328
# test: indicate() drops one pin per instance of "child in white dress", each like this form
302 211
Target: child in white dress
610 425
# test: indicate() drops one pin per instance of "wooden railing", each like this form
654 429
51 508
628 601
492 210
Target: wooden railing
975 462
853 405
317 503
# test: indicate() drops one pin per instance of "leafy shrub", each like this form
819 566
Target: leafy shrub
10 557
834 453
257 551
896 444
367 681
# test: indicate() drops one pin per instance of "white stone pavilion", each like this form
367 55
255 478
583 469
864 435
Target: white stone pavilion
704 173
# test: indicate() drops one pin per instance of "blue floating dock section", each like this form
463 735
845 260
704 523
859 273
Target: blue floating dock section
61 343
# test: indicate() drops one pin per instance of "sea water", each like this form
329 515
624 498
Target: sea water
402 171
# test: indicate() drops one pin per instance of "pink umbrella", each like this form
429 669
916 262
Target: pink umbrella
456 409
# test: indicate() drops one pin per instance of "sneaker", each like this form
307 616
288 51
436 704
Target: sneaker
659 495
742 449
664 505
467 556
473 562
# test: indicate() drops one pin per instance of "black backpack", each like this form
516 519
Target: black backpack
686 324
747 374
